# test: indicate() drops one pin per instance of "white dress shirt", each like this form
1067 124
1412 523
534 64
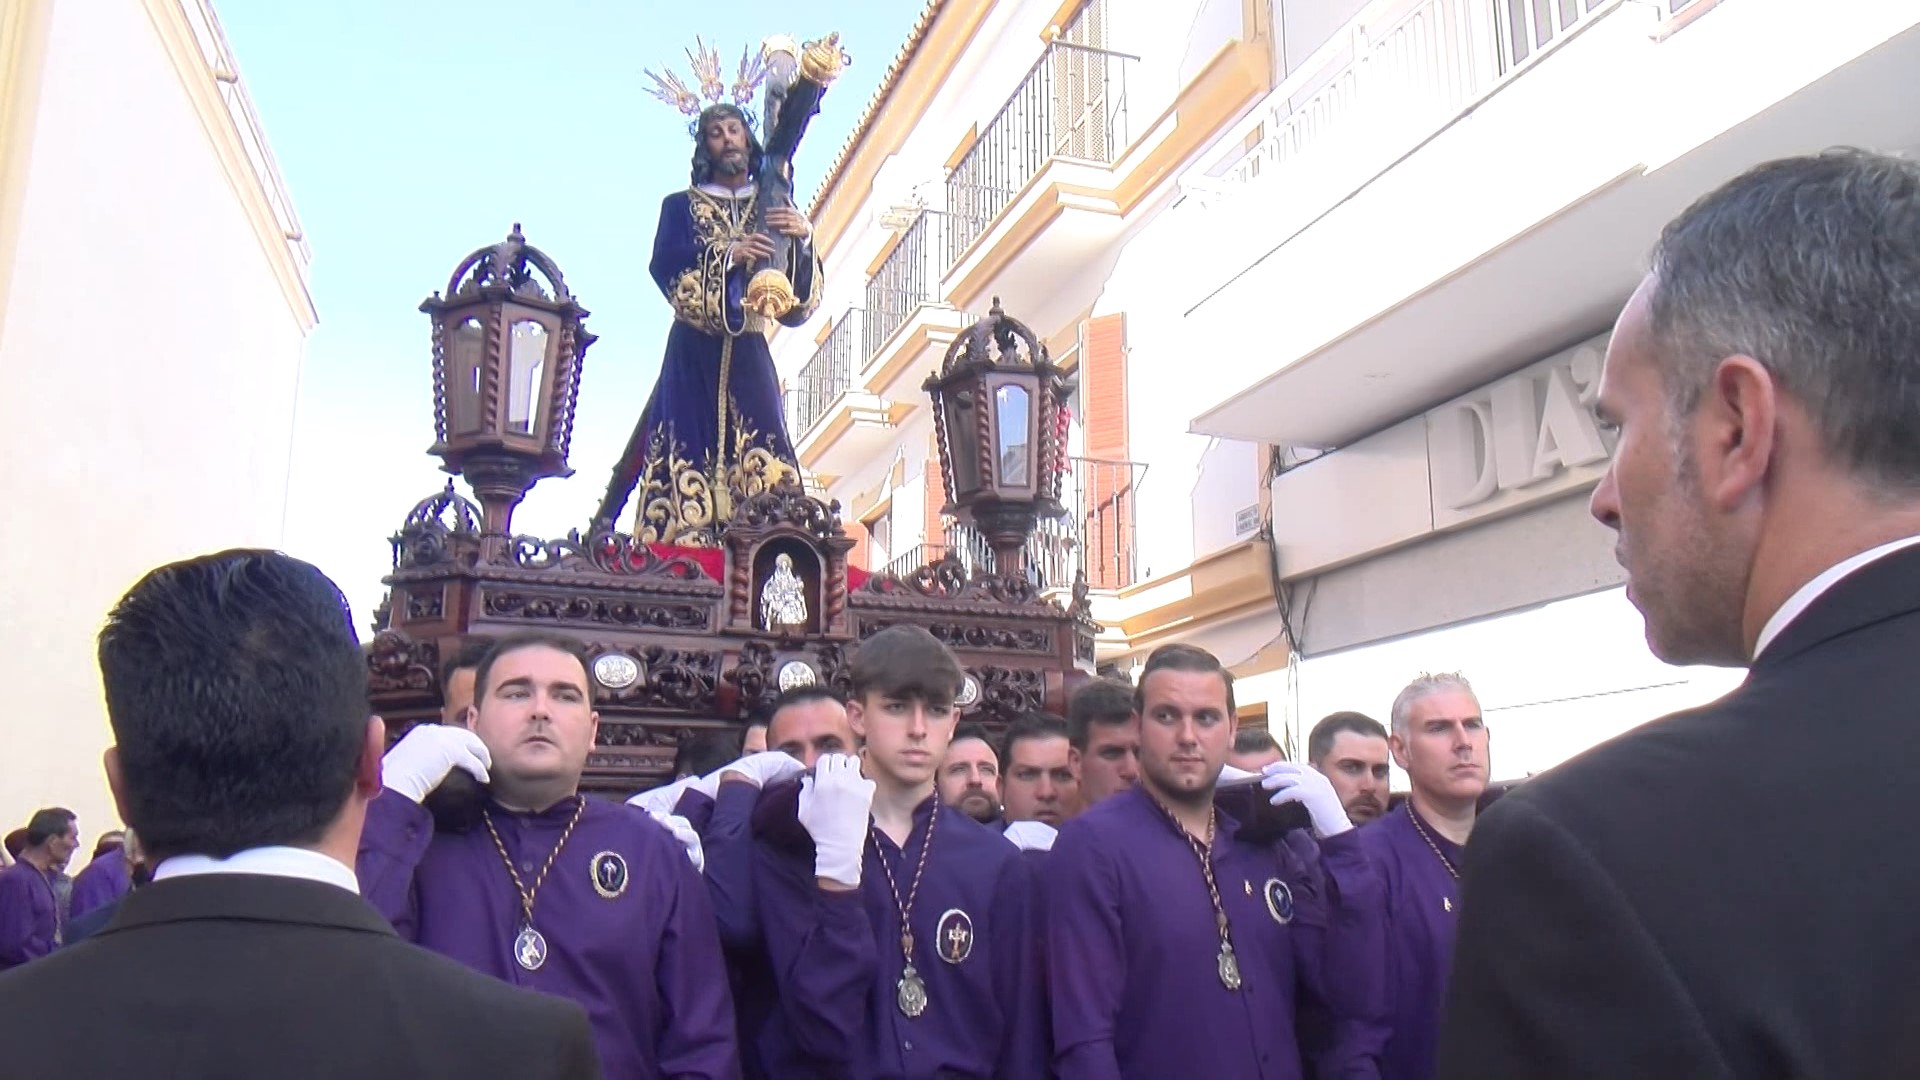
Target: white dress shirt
1812 590
290 862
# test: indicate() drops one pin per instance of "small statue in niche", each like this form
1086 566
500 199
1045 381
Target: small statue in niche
783 599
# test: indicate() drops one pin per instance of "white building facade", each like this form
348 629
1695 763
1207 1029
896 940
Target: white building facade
1440 210
153 317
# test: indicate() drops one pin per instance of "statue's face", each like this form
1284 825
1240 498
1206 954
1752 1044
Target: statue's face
725 137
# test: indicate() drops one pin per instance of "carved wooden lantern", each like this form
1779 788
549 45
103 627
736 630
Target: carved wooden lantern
509 341
996 403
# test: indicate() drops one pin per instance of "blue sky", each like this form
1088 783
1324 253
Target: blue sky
411 133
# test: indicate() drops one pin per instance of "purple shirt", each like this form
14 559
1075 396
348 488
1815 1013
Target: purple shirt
837 959
29 915
725 826
644 962
1133 946
105 880
1422 905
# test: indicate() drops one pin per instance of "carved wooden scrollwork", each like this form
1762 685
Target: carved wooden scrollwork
590 609
1005 693
753 675
603 551
1029 639
398 664
621 733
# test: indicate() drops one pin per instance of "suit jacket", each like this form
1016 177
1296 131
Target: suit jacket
241 976
1729 891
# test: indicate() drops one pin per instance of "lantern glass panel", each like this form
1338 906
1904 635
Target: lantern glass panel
962 445
526 362
1013 422
465 347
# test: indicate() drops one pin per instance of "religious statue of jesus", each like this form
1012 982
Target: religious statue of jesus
713 430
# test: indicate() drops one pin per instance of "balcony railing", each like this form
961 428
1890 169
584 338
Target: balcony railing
1528 26
1072 104
908 278
827 375
1096 536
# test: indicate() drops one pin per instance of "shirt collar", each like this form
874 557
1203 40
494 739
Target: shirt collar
289 862
1812 590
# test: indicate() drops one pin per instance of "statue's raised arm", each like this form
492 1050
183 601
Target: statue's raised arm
732 255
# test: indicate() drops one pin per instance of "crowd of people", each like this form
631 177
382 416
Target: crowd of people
866 887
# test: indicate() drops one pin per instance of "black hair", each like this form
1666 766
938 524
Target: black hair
1320 739
972 730
702 161
49 823
466 658
1253 740
1030 725
237 693
906 662
1107 702
529 639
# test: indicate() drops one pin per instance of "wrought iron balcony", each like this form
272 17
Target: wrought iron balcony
1097 536
1072 104
827 375
908 278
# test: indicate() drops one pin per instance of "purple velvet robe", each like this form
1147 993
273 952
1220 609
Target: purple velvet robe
105 880
29 915
1423 907
645 963
1132 948
837 958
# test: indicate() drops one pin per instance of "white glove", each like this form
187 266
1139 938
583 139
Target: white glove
1031 835
834 806
1228 774
1303 784
763 768
682 831
662 800
425 755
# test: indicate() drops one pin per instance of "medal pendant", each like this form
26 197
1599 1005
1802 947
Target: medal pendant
530 949
1229 968
913 993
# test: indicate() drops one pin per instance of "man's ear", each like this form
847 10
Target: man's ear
1398 748
116 781
1734 430
373 748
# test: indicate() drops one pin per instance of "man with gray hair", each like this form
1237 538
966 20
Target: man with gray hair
1710 895
1440 740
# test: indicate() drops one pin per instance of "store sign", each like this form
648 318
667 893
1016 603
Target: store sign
1526 438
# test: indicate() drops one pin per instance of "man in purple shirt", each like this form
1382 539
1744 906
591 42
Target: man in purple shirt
106 878
588 900
1175 948
899 927
30 919
1441 741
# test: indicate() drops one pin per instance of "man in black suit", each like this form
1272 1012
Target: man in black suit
1730 891
245 759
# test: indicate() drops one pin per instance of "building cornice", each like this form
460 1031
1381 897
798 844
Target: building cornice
191 35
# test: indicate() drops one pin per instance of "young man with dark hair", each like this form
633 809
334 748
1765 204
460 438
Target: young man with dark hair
1350 750
898 926
30 919
1040 784
577 897
1105 739
1177 948
703 753
245 758
970 775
